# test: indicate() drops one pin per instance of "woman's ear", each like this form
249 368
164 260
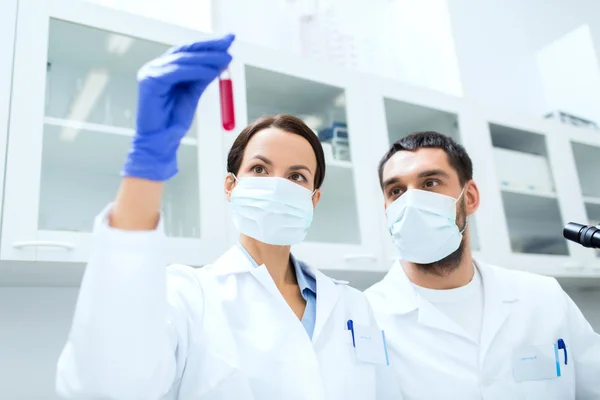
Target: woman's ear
316 197
229 185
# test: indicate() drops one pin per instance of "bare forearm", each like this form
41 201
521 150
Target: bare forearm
137 205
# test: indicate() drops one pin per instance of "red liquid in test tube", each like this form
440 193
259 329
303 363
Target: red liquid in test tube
226 93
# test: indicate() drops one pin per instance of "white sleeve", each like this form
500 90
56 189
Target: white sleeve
128 336
585 350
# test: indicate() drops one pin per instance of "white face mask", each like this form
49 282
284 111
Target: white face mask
272 210
423 226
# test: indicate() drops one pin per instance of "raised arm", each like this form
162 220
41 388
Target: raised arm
127 340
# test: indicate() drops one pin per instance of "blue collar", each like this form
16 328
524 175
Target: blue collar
305 281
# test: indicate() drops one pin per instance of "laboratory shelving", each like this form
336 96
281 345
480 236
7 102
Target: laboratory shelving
73 104
72 115
530 202
342 235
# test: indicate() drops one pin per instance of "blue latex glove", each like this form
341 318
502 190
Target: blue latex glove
169 88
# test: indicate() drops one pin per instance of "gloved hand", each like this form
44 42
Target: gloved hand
169 88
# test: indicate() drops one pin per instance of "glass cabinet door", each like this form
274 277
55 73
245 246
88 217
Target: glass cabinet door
587 161
323 109
81 126
8 20
528 191
338 234
403 118
89 120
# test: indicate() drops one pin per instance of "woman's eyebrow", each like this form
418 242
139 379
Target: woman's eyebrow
263 159
299 167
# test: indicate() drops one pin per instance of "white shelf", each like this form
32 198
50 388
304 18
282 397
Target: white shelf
99 128
591 200
529 192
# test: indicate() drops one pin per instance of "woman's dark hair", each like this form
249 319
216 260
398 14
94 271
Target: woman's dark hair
286 123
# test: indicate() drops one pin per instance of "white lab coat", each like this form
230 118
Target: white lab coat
435 359
142 331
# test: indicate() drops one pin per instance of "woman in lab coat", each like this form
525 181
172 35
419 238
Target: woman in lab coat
256 324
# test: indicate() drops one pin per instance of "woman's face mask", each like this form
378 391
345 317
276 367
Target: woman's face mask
272 210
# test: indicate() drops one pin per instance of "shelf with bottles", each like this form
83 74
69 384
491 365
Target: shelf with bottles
91 75
80 174
322 107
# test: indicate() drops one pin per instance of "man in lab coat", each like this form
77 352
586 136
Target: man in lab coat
456 327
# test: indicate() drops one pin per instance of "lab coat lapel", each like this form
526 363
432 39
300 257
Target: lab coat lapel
235 261
407 299
400 295
328 294
499 297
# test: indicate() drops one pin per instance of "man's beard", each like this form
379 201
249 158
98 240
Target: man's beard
451 262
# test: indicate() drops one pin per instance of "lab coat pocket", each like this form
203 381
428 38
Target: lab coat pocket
543 372
360 378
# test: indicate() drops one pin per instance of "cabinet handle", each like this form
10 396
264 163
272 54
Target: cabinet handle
360 257
43 243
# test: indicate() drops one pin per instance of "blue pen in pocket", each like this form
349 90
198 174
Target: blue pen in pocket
562 346
350 325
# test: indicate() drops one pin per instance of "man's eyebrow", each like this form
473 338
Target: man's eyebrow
433 172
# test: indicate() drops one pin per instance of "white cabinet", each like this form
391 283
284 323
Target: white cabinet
586 153
399 110
72 119
8 19
530 201
72 109
344 233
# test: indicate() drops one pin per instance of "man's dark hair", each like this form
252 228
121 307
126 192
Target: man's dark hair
457 155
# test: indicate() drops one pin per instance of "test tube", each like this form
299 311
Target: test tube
226 94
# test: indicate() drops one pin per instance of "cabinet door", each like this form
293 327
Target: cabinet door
585 148
398 110
72 119
8 19
344 233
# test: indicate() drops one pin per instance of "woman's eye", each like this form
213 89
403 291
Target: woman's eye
258 169
297 177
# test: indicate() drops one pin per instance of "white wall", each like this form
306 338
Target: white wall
34 323
496 42
403 40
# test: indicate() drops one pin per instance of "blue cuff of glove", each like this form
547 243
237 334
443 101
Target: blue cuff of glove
147 166
153 156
